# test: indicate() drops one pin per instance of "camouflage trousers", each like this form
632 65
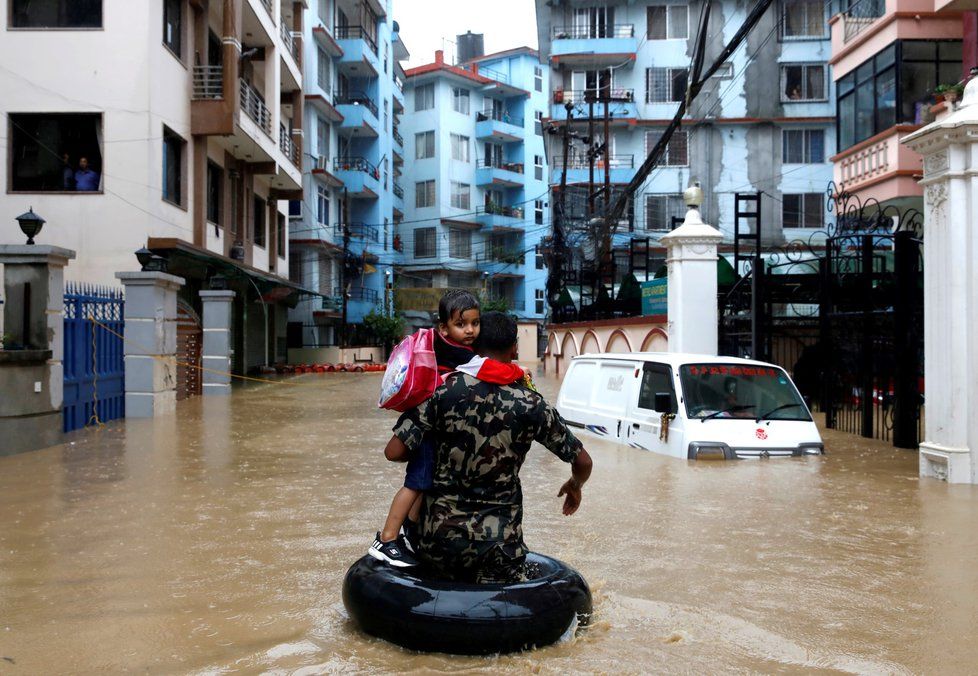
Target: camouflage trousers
475 562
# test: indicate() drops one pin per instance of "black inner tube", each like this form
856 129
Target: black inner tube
410 609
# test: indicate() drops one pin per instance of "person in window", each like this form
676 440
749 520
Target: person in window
795 94
86 180
67 173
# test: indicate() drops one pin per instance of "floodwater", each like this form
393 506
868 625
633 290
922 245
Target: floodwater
216 540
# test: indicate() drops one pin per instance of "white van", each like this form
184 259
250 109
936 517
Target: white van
688 405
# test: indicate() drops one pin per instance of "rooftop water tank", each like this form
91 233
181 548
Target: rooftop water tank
469 46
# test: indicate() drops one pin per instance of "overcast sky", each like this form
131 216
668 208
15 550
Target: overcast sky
427 25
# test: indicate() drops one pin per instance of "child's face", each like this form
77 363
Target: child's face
462 328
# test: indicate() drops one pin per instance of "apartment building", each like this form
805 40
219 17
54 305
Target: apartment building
169 124
477 200
763 124
342 234
888 57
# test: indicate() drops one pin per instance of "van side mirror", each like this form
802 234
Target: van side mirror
663 402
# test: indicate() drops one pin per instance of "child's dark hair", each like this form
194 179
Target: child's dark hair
456 300
497 332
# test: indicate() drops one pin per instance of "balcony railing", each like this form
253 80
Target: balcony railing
505 254
355 164
208 82
370 233
857 16
399 84
511 303
287 145
598 32
500 210
614 94
267 4
356 33
288 41
580 162
342 99
498 116
363 294
254 106
398 137
494 74
333 303
398 191
515 167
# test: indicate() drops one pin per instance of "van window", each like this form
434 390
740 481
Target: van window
740 391
657 378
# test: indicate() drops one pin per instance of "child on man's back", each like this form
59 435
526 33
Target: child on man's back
458 327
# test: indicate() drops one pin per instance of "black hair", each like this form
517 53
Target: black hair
456 300
497 332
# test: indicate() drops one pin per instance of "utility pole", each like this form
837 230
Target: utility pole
346 252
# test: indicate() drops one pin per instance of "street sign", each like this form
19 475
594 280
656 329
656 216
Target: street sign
655 298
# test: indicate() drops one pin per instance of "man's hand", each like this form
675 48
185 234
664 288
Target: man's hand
572 489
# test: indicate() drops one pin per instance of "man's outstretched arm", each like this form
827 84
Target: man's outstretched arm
580 473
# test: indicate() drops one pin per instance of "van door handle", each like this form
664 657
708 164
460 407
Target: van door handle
636 426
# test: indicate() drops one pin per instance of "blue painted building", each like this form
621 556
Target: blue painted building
763 124
476 201
342 231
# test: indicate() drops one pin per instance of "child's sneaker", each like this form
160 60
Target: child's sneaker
409 536
392 552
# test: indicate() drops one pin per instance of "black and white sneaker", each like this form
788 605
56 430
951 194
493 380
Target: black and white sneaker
392 552
408 536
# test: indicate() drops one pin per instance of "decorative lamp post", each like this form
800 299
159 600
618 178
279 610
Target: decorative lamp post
30 224
150 262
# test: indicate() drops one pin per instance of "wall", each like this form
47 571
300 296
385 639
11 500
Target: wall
635 334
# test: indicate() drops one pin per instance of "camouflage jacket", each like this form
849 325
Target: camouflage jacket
482 432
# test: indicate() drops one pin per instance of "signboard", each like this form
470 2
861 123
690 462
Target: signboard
655 297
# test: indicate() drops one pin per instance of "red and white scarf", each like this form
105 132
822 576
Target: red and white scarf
492 371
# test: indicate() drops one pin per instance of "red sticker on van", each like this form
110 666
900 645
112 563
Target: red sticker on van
760 434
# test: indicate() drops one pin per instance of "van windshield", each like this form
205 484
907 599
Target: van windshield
745 392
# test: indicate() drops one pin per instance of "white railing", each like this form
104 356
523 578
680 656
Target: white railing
288 41
287 145
254 106
208 82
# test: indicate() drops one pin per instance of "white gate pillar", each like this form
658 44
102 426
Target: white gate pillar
950 149
692 263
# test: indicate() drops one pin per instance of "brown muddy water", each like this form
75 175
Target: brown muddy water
216 540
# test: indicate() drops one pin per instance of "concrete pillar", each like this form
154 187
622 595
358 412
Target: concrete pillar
692 261
217 341
32 378
527 342
151 342
950 150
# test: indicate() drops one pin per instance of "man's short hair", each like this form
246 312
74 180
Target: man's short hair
456 300
497 332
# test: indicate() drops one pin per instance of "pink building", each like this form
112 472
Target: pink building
888 57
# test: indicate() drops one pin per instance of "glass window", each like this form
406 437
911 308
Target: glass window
323 71
803 210
661 209
215 184
538 298
56 14
258 214
657 379
424 145
424 243
538 123
803 19
538 212
460 148
460 100
173 25
322 206
55 152
539 258
173 159
677 150
424 97
665 85
424 194
538 78
280 232
802 146
460 243
803 82
744 392
461 195
538 167
668 22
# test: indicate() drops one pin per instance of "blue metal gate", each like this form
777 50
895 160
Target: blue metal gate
94 385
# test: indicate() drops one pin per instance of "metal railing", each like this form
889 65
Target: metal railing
500 210
208 82
289 42
345 99
398 191
597 32
267 4
356 33
254 106
859 15
363 294
581 162
360 231
504 254
332 303
399 84
498 116
398 137
355 164
515 167
494 74
287 145
615 94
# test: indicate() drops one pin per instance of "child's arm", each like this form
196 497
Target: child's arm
396 451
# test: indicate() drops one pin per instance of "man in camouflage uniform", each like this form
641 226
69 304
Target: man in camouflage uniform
472 519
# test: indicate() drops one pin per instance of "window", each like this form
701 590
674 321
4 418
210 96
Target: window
805 82
460 100
460 243
661 209
387 124
802 211
870 100
424 242
803 19
325 274
322 206
386 56
173 25
424 194
258 216
538 78
322 137
460 148
215 184
461 195
174 154
424 97
539 257
56 14
538 297
802 146
665 85
424 145
538 167
323 72
538 212
724 72
324 13
668 22
387 170
280 233
538 123
677 150
656 379
55 152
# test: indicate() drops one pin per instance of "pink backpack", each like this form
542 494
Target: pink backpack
412 373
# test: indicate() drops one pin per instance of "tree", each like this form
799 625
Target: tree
494 305
386 329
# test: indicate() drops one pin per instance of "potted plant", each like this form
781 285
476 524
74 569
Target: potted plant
4 339
949 92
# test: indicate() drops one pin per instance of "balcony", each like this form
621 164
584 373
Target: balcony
494 217
321 35
398 139
859 16
499 126
359 58
398 197
289 43
620 105
208 82
359 176
498 173
321 170
362 294
398 95
288 146
359 115
622 169
593 46
254 107
880 167
368 233
422 299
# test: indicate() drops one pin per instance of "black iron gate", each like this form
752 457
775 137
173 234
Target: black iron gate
843 313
